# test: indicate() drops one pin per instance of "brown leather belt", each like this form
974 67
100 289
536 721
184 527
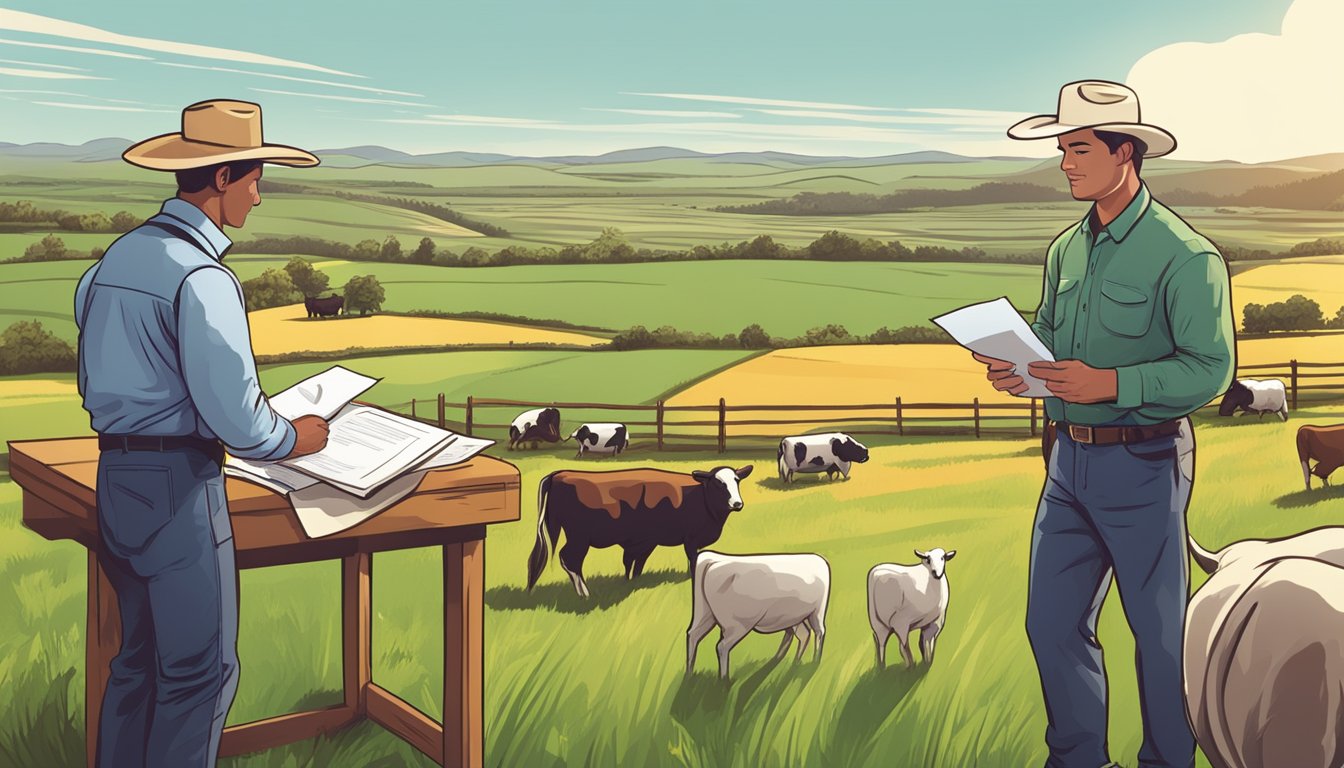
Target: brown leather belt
212 448
1081 433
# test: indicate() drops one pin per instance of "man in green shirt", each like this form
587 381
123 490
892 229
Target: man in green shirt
1136 312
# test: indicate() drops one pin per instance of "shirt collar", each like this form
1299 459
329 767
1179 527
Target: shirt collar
198 225
1120 228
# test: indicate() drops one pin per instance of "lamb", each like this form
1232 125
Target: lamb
764 593
903 598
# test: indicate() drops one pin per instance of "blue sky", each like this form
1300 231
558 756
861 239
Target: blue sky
546 77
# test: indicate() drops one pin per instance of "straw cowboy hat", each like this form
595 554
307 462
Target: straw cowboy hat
1100 105
216 131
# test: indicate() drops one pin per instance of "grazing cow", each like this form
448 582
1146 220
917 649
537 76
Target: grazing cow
535 426
1264 652
327 307
1323 445
903 598
635 509
831 453
608 439
762 593
1252 396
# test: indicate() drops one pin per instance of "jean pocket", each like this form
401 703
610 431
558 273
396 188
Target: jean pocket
1152 450
221 528
134 503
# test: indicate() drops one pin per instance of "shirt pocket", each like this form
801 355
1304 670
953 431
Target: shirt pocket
1064 296
1125 310
134 504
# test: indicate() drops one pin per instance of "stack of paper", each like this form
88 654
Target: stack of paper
995 329
373 458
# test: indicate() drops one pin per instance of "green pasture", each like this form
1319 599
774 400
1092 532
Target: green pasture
599 681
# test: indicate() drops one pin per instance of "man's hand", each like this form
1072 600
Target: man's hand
1074 381
310 435
1002 375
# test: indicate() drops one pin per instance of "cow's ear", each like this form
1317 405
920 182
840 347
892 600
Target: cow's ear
700 475
951 554
836 443
744 472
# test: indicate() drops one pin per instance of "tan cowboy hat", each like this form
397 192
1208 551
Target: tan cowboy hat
1100 105
216 131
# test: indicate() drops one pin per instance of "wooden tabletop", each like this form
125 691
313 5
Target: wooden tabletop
450 504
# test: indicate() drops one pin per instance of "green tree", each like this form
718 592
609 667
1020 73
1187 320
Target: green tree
829 334
124 221
424 254
1338 322
273 288
367 250
48 248
391 250
1253 319
27 347
754 336
95 222
1299 313
310 282
363 294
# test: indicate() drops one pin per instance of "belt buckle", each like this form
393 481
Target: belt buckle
1080 433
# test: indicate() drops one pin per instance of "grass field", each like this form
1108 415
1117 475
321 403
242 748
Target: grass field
598 682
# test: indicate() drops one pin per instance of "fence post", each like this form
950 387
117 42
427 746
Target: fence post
1294 364
660 425
1033 417
471 406
442 421
723 426
412 407
977 416
900 420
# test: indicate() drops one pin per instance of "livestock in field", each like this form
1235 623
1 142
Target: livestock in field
635 509
1323 445
598 438
741 594
1254 396
1264 652
903 598
539 425
328 307
831 453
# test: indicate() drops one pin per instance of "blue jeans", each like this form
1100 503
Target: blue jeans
168 552
1116 510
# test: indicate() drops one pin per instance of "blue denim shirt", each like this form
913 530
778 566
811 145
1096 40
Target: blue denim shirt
164 347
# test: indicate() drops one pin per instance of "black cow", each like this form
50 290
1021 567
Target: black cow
535 426
327 307
635 509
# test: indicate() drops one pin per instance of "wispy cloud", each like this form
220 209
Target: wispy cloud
521 122
46 74
100 107
41 64
949 120
341 98
65 93
665 112
753 101
76 49
20 21
387 91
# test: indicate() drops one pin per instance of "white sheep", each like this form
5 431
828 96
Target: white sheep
762 593
903 598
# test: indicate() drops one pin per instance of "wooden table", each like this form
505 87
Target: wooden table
450 509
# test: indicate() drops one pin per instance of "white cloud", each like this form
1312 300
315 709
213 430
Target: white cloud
46 74
665 112
519 122
40 64
20 21
994 123
340 98
751 100
1254 97
387 91
76 49
65 93
68 105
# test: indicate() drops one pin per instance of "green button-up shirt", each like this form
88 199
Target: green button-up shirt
1148 296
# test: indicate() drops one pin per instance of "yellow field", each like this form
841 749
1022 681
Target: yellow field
1320 279
19 392
287 329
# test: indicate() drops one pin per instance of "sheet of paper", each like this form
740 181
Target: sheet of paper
367 447
995 329
323 510
322 395
268 474
457 451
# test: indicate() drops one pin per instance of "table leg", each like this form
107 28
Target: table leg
357 630
463 646
101 643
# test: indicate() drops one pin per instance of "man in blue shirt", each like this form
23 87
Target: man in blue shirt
168 378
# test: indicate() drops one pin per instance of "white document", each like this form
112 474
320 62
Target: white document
268 474
995 329
322 395
323 510
367 447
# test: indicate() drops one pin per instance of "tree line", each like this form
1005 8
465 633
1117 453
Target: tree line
1296 313
298 281
24 212
755 337
849 203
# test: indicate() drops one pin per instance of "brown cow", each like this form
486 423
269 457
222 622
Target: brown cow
636 509
1325 446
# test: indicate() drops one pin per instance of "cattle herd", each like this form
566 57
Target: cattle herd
1264 644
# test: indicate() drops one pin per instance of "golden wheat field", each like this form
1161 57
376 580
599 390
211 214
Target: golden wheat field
1322 281
288 329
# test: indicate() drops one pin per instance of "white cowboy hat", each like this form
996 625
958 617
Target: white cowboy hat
1100 105
216 131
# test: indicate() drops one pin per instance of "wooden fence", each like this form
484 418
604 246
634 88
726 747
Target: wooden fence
896 418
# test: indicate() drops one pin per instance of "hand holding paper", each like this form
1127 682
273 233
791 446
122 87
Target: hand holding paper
995 331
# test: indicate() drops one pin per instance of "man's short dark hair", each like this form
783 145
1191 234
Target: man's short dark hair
197 179
1114 141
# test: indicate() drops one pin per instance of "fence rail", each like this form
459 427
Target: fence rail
895 418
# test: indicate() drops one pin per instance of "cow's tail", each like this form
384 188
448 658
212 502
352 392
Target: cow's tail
1206 560
541 551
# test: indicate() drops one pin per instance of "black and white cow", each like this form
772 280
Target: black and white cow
606 439
535 426
1254 396
830 453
